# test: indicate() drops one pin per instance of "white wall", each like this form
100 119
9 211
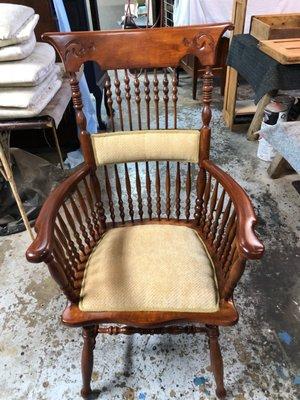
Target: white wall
110 12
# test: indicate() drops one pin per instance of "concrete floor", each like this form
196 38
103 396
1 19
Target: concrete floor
40 358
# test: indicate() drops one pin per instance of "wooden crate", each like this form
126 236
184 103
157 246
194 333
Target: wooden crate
285 51
277 26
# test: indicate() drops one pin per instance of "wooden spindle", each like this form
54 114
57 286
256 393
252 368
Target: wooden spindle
177 190
147 97
66 233
71 222
175 96
212 206
119 193
168 190
78 217
88 220
70 255
96 190
89 197
148 189
128 189
201 182
119 98
61 279
85 141
166 97
139 191
157 186
233 255
128 97
228 254
207 89
110 102
222 226
137 92
156 98
228 237
65 263
69 263
188 192
109 195
206 197
235 274
219 208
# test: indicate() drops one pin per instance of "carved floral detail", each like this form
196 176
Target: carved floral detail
77 49
201 42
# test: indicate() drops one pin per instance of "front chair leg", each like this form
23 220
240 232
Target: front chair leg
216 360
89 340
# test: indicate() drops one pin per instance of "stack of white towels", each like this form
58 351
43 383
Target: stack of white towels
29 77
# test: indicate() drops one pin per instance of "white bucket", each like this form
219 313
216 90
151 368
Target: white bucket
265 151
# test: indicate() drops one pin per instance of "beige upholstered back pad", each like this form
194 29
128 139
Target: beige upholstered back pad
151 145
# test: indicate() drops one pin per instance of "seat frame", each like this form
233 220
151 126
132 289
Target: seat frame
227 229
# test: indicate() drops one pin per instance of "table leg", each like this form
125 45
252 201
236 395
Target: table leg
258 116
54 131
8 176
230 96
278 166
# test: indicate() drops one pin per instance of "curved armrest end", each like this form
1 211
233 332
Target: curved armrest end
40 249
248 243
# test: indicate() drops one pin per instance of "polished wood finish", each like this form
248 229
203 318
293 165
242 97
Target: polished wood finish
161 47
216 360
89 340
82 208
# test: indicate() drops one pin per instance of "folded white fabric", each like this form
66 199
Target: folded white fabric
28 97
18 51
13 16
35 109
23 33
31 71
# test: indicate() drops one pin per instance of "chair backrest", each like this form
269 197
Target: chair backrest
141 55
165 185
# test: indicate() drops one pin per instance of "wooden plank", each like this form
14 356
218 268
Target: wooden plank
278 166
276 26
245 107
257 119
285 51
238 18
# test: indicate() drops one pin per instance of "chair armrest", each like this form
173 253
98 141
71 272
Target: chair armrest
249 246
42 246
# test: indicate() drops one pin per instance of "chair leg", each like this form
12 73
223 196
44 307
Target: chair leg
87 359
216 360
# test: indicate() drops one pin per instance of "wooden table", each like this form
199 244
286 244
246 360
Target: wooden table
265 75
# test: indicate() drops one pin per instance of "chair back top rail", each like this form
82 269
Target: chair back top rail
138 48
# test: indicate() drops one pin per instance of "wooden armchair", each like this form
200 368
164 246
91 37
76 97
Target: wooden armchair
148 233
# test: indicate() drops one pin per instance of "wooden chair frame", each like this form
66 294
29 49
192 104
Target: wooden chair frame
68 229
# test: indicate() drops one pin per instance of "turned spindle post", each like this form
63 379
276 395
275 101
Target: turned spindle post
81 121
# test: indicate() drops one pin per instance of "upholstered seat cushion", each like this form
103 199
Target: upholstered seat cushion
150 268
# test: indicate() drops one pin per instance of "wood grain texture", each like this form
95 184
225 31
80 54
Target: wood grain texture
162 47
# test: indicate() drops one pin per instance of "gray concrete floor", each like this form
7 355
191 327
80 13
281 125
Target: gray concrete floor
40 358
